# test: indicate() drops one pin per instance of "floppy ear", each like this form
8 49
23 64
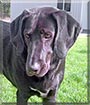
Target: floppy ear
16 31
73 29
67 31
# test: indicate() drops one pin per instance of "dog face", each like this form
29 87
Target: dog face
38 37
43 32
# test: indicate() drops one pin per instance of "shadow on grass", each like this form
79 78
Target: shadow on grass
83 51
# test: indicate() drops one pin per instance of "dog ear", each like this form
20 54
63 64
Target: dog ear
73 29
16 31
67 31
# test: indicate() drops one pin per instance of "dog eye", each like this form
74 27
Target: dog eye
47 35
27 36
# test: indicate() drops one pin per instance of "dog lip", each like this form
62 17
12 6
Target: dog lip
30 73
42 71
42 68
39 73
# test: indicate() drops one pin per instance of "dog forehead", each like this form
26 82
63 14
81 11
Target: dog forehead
39 20
45 20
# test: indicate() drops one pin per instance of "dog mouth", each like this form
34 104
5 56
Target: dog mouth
40 73
43 71
39 69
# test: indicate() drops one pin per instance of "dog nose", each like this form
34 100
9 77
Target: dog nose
35 67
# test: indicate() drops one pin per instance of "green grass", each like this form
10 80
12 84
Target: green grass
74 86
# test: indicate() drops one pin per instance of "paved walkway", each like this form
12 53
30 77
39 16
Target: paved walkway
84 35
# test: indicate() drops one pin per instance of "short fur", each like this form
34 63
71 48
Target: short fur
33 62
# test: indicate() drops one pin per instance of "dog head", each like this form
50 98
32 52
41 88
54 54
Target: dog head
43 31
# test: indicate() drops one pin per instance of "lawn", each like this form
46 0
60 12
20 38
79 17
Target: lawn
74 86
